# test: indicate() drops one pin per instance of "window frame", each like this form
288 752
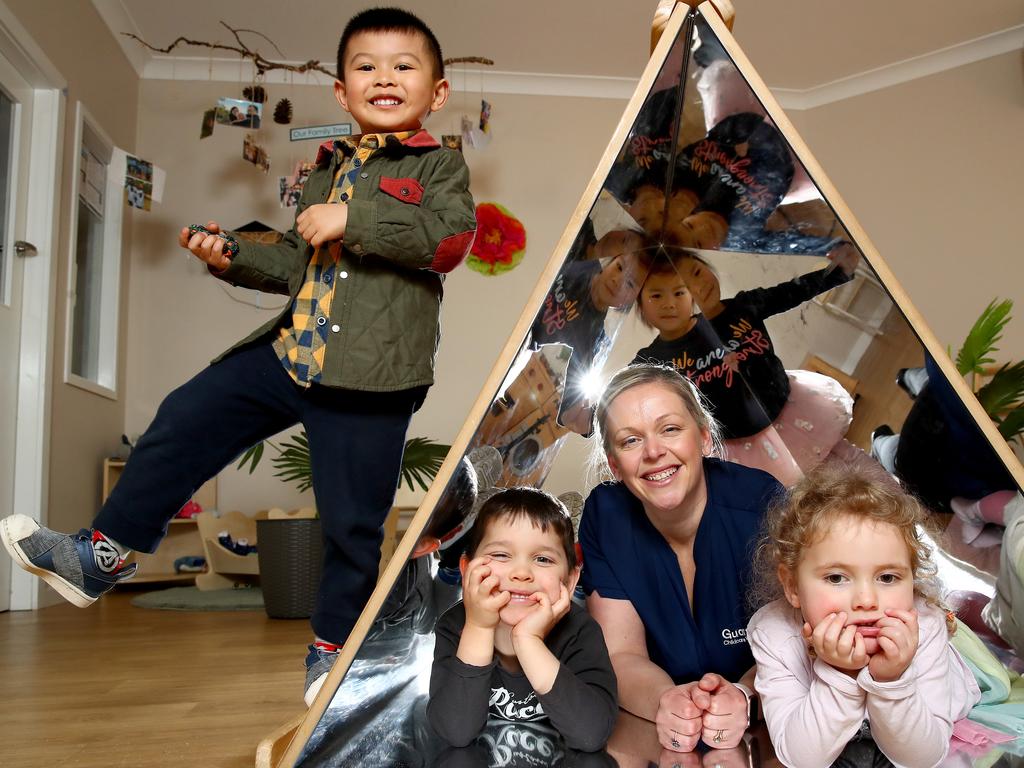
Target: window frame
106 384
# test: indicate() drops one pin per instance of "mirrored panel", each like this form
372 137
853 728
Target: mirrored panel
712 249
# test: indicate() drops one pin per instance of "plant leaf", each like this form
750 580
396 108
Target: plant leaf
1012 425
252 457
1004 391
293 463
421 461
981 340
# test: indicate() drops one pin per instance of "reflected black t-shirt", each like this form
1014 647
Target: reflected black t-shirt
569 317
712 364
740 170
731 359
647 151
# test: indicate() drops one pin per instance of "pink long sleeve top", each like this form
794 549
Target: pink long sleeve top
813 709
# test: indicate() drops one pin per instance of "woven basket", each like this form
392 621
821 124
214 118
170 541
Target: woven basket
291 555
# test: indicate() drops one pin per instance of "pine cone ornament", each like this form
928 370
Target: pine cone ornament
255 93
283 112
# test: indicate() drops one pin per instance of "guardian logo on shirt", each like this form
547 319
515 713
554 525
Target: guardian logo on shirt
734 636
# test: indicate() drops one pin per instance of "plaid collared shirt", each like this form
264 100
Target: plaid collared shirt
302 344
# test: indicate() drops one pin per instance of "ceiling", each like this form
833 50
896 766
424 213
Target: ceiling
796 45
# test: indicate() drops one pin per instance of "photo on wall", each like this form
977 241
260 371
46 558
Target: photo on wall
138 183
239 113
291 186
209 121
138 194
254 153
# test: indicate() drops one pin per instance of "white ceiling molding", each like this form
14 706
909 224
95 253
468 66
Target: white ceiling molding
118 20
969 52
234 70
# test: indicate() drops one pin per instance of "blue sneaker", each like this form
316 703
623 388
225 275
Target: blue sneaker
319 661
80 567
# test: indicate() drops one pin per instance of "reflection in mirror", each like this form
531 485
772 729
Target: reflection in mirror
784 422
745 279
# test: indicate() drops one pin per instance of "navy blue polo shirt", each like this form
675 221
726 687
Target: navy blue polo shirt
626 558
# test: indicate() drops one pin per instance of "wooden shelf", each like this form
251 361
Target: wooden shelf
163 578
226 569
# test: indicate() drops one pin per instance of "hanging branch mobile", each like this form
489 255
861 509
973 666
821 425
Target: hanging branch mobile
263 64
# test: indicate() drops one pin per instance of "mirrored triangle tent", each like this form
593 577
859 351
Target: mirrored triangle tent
706 191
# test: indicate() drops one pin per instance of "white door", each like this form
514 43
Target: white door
16 97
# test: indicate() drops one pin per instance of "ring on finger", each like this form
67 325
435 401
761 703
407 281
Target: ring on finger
675 743
719 736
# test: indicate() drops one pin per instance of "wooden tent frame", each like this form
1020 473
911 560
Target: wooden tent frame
284 747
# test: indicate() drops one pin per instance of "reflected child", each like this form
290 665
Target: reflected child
516 648
727 352
574 313
859 635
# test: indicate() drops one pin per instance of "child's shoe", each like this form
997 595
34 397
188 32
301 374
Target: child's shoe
243 547
190 564
974 529
80 567
319 660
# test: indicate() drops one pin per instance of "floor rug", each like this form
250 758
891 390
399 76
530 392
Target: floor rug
194 599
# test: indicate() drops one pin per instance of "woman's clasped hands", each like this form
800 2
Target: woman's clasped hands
711 709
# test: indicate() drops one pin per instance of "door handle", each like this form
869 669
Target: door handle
24 249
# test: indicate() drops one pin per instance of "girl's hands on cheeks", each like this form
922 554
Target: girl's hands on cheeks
481 596
322 223
837 645
897 644
543 616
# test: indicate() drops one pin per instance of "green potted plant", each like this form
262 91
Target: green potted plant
289 548
1002 395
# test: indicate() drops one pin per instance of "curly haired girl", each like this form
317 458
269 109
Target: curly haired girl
858 642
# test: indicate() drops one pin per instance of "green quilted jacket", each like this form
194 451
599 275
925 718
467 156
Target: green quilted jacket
411 219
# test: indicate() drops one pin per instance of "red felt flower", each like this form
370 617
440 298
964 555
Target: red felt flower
500 240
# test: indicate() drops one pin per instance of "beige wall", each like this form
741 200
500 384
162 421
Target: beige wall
932 169
543 153
85 427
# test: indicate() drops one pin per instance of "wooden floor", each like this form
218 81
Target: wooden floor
114 685
880 400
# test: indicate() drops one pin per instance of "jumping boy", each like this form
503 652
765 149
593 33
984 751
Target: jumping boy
516 648
382 217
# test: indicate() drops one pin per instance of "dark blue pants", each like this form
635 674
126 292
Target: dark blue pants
356 441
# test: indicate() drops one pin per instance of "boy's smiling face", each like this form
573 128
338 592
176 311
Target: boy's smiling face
389 84
526 560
